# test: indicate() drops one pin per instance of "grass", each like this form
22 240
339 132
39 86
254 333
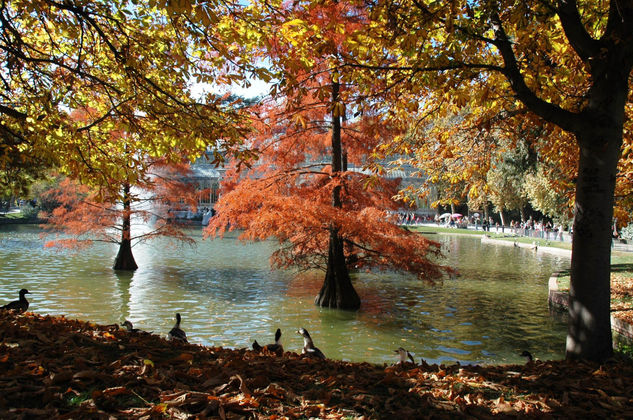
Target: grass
14 216
75 400
621 271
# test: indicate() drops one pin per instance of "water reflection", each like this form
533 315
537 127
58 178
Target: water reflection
228 296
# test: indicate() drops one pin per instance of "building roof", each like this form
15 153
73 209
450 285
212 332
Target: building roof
206 171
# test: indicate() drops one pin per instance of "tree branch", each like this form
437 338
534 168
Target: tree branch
585 46
12 112
565 119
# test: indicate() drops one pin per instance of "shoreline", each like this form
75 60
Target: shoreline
559 300
58 367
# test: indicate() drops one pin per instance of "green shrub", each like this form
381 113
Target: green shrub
28 211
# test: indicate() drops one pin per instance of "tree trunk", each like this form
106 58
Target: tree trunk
337 290
589 330
503 219
124 259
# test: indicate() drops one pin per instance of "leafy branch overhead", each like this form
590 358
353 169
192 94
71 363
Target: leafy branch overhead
131 66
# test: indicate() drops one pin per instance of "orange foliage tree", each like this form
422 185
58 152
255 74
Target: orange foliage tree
301 191
120 184
123 214
564 65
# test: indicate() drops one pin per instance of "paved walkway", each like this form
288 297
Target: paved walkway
616 246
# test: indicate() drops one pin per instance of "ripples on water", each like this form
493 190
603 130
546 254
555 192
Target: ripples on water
228 296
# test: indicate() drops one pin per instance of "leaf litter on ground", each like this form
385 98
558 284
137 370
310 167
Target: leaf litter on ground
54 367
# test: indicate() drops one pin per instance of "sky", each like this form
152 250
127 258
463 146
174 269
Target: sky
257 88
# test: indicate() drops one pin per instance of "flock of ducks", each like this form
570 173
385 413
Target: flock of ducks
309 349
178 334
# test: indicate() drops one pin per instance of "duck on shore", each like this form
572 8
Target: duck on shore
20 305
308 346
130 328
528 356
403 355
177 333
276 347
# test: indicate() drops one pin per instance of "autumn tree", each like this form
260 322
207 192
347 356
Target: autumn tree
302 191
561 64
323 217
544 195
131 61
125 215
506 177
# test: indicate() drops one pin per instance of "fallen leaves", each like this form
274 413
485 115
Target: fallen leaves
622 296
63 368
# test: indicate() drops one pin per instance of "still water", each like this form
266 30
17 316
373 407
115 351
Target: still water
228 296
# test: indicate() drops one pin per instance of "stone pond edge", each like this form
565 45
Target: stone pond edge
559 300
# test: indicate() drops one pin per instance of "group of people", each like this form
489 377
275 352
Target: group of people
541 229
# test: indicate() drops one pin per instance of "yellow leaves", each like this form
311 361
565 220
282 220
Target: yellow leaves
159 408
293 23
300 120
337 109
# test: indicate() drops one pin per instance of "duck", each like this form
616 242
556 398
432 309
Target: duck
528 356
130 328
177 333
257 347
20 305
276 347
403 355
308 346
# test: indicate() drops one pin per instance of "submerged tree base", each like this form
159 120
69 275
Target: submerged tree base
350 303
124 258
337 291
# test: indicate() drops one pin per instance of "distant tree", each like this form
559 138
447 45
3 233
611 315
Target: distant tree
38 191
127 215
506 177
544 196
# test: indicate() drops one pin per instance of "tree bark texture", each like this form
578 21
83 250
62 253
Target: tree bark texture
337 290
589 328
125 259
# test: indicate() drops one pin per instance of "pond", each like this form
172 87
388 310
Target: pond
228 296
